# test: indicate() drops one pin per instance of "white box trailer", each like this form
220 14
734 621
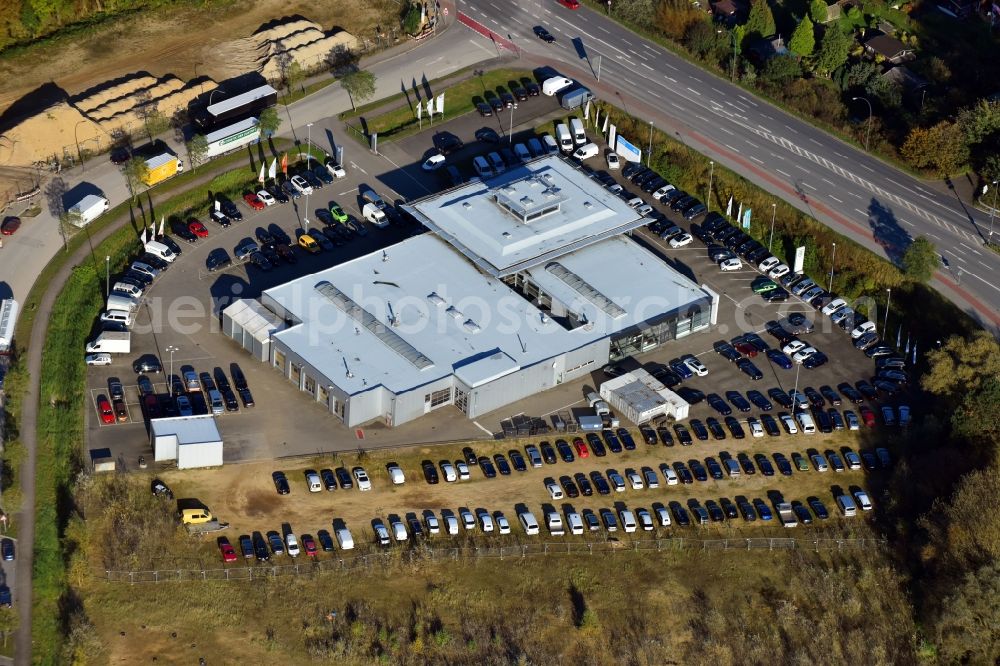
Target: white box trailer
8 321
89 209
640 397
232 137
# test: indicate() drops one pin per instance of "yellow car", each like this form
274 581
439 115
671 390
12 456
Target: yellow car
309 244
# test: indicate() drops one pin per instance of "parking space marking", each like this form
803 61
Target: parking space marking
477 424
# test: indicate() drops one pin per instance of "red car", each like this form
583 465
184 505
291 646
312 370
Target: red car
868 416
227 550
746 348
151 405
309 545
572 4
197 228
253 201
10 225
581 448
104 407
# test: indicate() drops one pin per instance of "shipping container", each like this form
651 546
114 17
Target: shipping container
160 168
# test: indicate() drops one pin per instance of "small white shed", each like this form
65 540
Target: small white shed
640 397
193 441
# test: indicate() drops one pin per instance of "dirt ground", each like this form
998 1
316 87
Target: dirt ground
175 41
244 495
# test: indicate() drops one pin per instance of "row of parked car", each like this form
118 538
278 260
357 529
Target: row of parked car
191 393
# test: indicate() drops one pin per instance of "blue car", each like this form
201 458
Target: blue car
681 369
779 359
762 510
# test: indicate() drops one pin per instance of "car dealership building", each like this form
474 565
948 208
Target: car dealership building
523 282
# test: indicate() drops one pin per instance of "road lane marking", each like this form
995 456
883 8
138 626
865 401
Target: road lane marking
835 198
809 186
757 160
786 175
695 91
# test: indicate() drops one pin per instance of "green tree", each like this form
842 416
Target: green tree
411 19
136 172
760 20
977 419
70 222
703 40
156 122
803 40
197 150
941 147
833 50
781 69
961 366
967 630
269 121
293 75
360 86
818 11
920 260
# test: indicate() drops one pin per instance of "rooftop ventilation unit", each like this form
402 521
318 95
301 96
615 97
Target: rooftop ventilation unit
434 298
586 290
471 326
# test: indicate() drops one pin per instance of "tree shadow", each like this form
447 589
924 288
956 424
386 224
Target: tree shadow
888 232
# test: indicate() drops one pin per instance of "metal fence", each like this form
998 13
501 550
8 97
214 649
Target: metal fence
420 554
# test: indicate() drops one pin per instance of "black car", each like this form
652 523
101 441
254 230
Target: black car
700 431
329 478
746 464
565 452
519 92
487 135
831 396
614 444
726 350
776 296
181 231
648 435
517 460
533 88
246 397
217 260
816 360
715 512
683 436
596 445
714 468
746 509
665 436
229 398
748 368
818 508
698 470
867 390
325 541
246 546
344 478
766 468
447 142
770 425
487 468
568 486
430 472
280 483
585 488
626 438
680 514
850 393
759 401
508 100
147 363
548 453
691 396
230 209
502 465
715 428
495 103
815 398
600 483
784 467
276 192
260 549
780 397
735 428
738 401
470 456
484 109
719 405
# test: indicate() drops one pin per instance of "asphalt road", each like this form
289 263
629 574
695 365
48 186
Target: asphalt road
853 192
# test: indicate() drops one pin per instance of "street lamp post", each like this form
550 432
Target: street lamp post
868 132
711 174
107 275
993 210
79 153
833 262
888 298
510 127
212 94
649 151
774 208
309 126
171 349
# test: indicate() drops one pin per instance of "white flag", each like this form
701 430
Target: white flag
729 207
272 173
739 215
261 176
217 205
430 107
586 111
604 130
142 238
440 103
420 111
152 229
162 222
597 117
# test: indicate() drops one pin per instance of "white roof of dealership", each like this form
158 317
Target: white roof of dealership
420 311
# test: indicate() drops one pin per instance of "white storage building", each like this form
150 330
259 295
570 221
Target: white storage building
193 441
251 325
8 321
640 397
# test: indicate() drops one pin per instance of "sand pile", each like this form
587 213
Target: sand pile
89 100
154 93
54 131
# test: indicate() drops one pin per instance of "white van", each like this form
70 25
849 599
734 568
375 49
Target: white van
576 127
550 144
528 522
374 214
586 152
555 524
122 302
482 167
117 317
160 251
847 506
806 423
551 86
126 288
628 520
215 399
564 138
575 522
313 482
344 539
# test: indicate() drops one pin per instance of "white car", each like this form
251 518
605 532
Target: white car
336 170
862 328
794 346
266 197
450 522
662 515
779 271
768 264
645 519
789 423
634 479
301 186
696 366
803 354
503 525
398 528
732 264
670 475
433 526
381 533
485 520
433 163
635 202
613 161
756 429
863 501
463 470
680 241
555 492
468 520
396 474
644 209
852 420
291 545
361 476
448 472
833 306
841 314
98 359
663 191
246 249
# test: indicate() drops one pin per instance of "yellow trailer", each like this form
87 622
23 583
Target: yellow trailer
160 168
